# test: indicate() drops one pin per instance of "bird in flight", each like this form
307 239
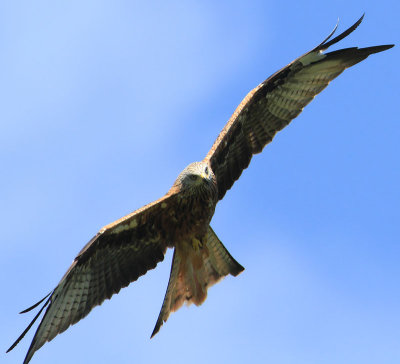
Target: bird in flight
126 249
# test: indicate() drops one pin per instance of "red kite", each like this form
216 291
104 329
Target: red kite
126 249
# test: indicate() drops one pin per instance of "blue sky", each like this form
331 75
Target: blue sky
104 103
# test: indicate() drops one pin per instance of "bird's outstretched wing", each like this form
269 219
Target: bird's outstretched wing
119 254
274 103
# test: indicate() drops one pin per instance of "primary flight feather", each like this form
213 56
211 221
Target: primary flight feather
126 249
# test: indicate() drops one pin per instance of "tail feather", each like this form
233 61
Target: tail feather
193 271
220 259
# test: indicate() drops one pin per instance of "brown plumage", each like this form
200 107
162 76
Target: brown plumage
126 249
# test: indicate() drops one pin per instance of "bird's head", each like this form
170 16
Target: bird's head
197 175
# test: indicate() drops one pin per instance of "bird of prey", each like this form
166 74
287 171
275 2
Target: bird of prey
126 249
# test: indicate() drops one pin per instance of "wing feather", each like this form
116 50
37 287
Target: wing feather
273 104
118 255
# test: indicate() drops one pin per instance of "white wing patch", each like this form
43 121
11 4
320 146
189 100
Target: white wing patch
311 57
127 226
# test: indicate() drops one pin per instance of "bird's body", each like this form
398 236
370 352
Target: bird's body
187 208
126 249
197 193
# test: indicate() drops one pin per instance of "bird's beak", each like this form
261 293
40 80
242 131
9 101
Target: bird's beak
203 175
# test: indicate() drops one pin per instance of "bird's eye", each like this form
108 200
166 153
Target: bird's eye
206 170
193 177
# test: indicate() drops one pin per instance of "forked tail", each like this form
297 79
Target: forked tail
193 271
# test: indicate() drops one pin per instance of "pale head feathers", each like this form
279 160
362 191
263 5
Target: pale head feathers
195 175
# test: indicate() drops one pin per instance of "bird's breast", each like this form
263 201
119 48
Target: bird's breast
190 217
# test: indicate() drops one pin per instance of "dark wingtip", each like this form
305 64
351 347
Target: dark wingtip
382 48
375 49
32 322
36 304
325 45
329 36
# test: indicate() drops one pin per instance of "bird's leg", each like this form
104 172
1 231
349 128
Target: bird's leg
197 244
